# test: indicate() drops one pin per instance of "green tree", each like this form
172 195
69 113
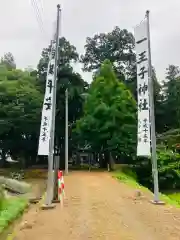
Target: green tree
109 121
66 55
158 100
8 60
171 97
20 111
67 78
172 72
167 101
117 46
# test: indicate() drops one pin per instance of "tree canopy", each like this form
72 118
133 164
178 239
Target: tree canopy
20 110
67 79
8 61
117 46
109 120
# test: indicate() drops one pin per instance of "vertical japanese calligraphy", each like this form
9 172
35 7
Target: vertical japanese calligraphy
46 120
141 39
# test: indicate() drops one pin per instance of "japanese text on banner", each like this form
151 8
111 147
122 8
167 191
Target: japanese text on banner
143 134
46 119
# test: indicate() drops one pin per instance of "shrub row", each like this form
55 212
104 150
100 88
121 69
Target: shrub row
168 168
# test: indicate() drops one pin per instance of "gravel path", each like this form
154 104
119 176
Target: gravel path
100 208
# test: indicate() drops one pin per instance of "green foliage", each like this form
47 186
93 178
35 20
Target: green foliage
168 167
172 102
20 112
67 55
168 102
109 117
21 98
8 61
11 210
170 138
67 79
167 110
117 46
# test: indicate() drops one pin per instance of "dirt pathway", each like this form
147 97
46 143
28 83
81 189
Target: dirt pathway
100 208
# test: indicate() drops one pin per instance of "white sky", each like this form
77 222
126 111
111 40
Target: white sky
21 34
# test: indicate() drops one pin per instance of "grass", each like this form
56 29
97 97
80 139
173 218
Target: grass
11 210
175 197
128 177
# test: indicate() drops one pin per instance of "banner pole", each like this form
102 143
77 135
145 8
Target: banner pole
152 117
50 183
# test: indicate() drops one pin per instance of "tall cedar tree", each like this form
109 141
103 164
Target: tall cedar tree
109 121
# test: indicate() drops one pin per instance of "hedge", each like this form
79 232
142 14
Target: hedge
168 168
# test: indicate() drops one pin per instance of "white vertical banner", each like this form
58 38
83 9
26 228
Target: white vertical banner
46 119
141 46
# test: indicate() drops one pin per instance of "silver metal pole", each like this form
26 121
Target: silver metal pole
152 118
50 183
66 131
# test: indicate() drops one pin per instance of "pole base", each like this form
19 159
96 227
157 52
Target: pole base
56 201
49 206
157 202
35 200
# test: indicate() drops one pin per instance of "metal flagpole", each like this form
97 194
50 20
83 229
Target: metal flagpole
66 132
152 118
56 157
50 183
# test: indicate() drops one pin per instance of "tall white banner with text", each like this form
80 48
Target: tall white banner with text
46 119
143 134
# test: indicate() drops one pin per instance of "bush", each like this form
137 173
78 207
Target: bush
168 167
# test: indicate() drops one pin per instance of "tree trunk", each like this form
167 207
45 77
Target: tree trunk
111 162
78 159
3 162
104 160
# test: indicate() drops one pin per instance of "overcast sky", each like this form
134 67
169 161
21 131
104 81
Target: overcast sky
21 34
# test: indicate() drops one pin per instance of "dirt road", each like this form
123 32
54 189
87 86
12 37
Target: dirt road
100 208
